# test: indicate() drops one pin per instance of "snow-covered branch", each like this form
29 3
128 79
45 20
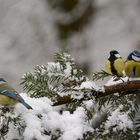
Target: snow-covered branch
122 88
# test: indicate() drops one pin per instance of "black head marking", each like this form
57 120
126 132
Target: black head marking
114 55
113 52
1 79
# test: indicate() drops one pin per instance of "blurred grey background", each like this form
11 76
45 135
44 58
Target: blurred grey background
31 31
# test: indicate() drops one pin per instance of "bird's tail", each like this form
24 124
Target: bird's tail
26 105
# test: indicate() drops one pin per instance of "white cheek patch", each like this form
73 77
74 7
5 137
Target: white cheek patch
2 82
117 55
136 58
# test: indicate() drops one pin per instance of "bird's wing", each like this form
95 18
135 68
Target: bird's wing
12 94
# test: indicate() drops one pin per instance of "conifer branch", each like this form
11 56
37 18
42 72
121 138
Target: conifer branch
123 88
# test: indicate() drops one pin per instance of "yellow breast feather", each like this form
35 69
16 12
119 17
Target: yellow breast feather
6 101
130 66
119 66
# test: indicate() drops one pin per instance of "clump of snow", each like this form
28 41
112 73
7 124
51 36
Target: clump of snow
68 69
113 81
89 104
77 95
89 85
133 78
71 125
12 131
53 67
119 119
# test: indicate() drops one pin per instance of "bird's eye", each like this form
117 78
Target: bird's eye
117 55
135 58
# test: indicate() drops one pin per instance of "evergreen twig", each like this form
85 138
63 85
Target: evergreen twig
100 75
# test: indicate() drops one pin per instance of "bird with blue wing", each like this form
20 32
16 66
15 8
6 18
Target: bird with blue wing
132 64
114 65
9 97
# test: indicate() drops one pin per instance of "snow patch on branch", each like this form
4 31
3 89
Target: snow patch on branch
90 85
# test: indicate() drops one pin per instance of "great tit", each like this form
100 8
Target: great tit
132 64
9 97
115 64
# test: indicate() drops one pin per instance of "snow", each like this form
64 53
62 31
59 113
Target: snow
33 128
89 85
72 126
26 26
112 81
68 69
119 119
89 104
51 66
12 131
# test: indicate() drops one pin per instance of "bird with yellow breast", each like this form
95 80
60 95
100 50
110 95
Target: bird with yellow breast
114 65
132 64
10 97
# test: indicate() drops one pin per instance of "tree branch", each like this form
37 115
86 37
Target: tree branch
108 90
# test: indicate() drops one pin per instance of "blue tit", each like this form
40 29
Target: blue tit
115 64
9 97
132 64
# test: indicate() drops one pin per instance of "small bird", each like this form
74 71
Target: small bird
132 64
115 64
9 97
